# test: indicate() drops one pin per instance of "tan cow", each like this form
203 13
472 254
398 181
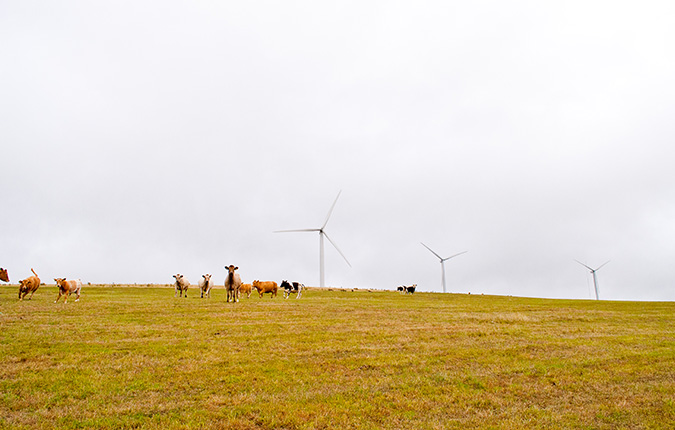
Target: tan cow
232 284
29 285
246 289
4 276
266 287
74 286
205 285
182 284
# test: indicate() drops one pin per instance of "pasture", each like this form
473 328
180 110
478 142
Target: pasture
136 357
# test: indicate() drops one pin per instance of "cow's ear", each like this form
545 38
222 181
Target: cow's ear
236 268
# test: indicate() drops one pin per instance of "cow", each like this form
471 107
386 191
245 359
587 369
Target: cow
4 276
74 286
29 285
266 287
232 283
182 285
401 289
246 289
295 287
205 285
410 289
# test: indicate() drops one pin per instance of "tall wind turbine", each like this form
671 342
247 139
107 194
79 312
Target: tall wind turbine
322 234
595 278
443 260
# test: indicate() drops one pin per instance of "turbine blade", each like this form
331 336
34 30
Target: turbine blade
602 265
295 231
585 265
432 251
331 210
335 246
453 256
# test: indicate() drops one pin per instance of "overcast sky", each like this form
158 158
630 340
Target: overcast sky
143 139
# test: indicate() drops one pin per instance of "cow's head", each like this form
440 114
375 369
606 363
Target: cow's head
4 276
59 281
231 268
178 276
206 277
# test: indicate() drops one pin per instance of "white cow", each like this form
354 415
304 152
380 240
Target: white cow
205 285
182 284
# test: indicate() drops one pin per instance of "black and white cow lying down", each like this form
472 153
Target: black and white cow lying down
295 287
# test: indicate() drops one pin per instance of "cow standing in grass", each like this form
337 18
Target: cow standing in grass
29 285
4 276
205 285
182 285
410 289
232 283
266 287
246 289
74 286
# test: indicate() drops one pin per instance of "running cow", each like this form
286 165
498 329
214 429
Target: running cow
74 286
28 285
232 283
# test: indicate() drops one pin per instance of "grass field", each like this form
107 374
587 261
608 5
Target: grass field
131 357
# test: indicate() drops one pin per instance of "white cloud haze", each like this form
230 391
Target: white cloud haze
142 139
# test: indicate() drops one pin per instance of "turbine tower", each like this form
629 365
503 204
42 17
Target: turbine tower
443 260
322 234
595 277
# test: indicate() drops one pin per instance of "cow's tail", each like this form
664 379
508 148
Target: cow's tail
31 269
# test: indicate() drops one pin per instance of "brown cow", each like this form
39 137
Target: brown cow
4 276
74 286
29 285
182 284
246 289
232 284
266 287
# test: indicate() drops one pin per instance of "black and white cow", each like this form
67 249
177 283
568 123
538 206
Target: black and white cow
410 289
289 288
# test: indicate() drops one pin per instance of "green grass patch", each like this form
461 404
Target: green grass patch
136 357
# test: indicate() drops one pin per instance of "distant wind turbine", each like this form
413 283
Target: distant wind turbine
322 233
595 278
443 260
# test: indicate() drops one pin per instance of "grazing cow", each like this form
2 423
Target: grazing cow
205 285
232 284
29 285
4 276
74 286
410 289
182 285
266 287
401 289
246 289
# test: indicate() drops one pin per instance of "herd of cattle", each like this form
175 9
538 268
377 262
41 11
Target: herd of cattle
233 286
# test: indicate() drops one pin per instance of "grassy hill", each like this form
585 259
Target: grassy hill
132 357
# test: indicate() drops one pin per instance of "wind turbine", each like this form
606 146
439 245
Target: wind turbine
443 260
322 234
595 278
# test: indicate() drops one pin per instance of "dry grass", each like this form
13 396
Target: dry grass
135 357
